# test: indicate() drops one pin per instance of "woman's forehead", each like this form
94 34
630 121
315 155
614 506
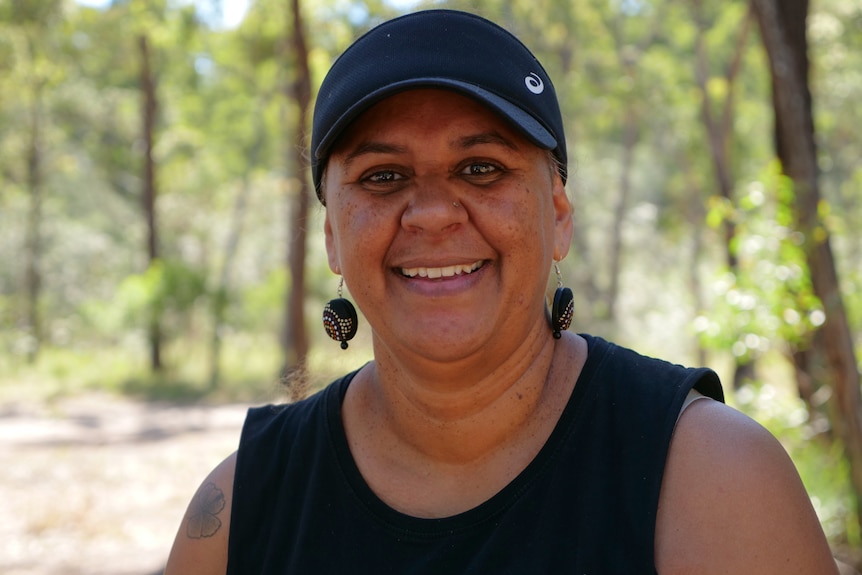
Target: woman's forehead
414 112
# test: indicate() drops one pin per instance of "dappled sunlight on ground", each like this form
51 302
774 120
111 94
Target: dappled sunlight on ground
97 485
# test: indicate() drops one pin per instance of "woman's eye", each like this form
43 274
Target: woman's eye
383 177
480 169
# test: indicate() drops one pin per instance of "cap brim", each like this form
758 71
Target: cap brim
521 120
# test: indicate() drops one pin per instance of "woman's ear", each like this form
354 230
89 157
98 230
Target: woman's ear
331 245
563 223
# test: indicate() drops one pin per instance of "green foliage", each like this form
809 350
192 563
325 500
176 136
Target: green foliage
31 12
770 299
258 301
165 287
248 369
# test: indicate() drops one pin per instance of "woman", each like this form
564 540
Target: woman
483 438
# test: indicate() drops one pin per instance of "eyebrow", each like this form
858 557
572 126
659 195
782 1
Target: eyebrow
372 147
491 137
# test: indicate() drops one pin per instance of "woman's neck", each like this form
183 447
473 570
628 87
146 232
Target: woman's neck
416 435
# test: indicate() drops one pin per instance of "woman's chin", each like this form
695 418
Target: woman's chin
444 343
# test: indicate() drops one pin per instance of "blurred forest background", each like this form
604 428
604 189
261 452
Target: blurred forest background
158 236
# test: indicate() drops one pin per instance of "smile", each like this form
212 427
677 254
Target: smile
444 272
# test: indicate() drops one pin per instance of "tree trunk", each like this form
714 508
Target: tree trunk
719 133
783 28
630 141
629 57
220 300
149 105
719 130
296 338
696 214
812 379
33 245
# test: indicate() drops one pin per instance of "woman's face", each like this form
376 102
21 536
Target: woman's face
444 222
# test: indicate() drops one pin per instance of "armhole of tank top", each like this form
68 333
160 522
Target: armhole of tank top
693 395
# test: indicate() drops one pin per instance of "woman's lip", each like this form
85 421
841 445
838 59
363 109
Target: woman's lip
443 286
439 272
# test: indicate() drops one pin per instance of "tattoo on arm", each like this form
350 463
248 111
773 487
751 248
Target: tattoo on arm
203 512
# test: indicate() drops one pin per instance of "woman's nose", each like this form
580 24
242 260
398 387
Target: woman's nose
433 207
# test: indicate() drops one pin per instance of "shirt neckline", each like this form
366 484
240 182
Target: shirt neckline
404 524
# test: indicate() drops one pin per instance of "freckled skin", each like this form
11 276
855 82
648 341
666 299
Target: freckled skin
516 220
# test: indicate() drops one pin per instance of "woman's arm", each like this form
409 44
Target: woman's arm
732 502
200 547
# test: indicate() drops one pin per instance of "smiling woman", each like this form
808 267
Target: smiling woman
483 437
392 181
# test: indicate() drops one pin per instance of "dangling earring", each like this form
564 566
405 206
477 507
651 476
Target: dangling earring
563 308
339 318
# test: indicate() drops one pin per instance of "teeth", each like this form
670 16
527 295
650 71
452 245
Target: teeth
447 272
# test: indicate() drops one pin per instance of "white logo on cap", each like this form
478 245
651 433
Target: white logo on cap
534 83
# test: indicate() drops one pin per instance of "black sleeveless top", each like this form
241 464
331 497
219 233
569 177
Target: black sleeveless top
585 505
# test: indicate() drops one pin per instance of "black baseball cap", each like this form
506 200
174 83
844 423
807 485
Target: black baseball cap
438 48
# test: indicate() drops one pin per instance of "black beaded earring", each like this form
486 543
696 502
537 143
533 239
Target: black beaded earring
339 318
563 307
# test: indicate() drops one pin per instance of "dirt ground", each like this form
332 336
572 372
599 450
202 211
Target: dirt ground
96 485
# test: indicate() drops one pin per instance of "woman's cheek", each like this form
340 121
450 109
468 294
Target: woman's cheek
364 229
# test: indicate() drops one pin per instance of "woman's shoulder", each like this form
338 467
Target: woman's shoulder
201 543
283 422
636 373
731 497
